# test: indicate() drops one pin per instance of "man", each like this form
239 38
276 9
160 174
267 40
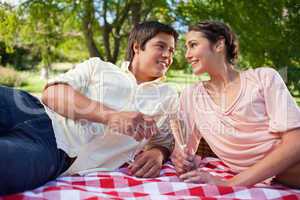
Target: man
94 116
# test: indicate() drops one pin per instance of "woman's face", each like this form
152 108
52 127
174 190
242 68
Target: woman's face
200 52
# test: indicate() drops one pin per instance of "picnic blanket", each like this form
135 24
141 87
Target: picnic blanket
119 185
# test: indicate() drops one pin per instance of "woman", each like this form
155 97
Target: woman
248 118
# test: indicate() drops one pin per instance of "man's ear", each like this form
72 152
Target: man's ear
136 48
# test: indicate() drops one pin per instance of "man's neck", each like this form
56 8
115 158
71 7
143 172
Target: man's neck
134 68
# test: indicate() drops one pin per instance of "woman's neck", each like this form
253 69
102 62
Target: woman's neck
223 77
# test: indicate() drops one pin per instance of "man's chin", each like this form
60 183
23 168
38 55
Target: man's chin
160 74
157 73
156 76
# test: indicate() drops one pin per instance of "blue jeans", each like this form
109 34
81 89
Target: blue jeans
28 152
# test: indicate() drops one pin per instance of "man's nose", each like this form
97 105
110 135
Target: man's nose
167 53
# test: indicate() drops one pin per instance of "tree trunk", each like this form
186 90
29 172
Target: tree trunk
136 12
45 73
106 41
87 29
107 28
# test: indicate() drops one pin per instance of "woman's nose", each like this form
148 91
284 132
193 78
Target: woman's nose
187 54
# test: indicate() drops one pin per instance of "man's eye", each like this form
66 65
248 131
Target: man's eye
160 46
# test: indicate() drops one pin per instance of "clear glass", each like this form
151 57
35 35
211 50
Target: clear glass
179 130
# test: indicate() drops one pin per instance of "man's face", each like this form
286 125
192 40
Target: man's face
154 61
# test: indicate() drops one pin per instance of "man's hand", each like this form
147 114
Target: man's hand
147 164
134 124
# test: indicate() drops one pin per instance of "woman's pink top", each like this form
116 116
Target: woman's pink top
245 132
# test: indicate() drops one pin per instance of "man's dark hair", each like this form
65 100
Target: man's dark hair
145 31
214 31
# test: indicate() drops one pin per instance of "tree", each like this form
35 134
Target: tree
103 25
12 51
8 27
267 30
112 21
42 29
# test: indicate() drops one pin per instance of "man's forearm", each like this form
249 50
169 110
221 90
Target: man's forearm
163 150
66 101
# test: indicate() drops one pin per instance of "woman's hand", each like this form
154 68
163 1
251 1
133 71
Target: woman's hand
183 160
200 176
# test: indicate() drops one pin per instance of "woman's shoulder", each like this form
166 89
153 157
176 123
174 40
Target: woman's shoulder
262 75
261 72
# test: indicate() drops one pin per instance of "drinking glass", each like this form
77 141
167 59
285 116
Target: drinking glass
179 130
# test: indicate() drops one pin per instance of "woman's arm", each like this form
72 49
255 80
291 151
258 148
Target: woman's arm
285 155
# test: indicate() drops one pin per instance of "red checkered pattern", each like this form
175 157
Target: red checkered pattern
119 185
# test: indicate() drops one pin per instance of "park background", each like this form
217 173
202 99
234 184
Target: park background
42 38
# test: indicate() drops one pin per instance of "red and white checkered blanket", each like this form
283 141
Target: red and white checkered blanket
119 185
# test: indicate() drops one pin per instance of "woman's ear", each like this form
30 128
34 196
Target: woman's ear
136 48
220 45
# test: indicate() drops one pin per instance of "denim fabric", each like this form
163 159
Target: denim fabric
28 152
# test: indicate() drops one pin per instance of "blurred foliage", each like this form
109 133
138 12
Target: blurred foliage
268 31
37 33
10 77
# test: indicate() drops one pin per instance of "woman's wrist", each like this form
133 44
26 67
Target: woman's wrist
229 182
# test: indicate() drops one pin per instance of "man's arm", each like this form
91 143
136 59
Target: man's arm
68 102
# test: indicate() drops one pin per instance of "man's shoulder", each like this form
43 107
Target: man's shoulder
167 88
100 64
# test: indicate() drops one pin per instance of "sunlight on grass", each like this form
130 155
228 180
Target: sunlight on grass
177 79
34 83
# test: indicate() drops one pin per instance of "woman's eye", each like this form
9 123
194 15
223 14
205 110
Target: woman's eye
193 45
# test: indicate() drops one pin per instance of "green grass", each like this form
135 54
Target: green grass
180 80
34 83
177 79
